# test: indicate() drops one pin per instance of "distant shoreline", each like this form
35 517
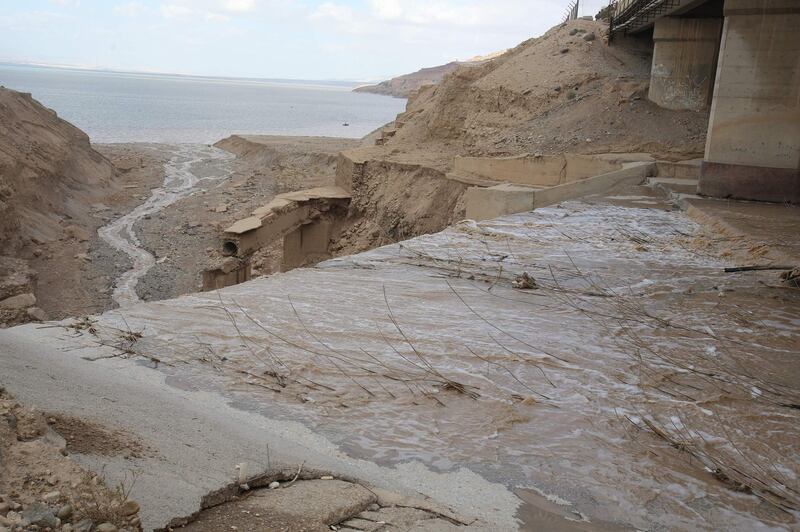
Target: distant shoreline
350 84
114 107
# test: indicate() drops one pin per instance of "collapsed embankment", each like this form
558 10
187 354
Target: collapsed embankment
393 200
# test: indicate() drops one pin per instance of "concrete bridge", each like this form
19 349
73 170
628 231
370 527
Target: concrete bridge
741 60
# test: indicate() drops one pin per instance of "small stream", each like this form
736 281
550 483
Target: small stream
189 165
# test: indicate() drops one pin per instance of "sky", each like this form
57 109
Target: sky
360 40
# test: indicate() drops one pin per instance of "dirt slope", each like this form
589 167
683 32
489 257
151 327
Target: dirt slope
55 191
48 171
565 91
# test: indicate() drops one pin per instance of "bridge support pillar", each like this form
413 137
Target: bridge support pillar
684 62
753 144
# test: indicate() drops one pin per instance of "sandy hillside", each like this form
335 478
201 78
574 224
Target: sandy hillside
48 171
55 191
565 91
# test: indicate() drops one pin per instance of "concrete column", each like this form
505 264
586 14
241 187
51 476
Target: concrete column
308 242
753 144
684 62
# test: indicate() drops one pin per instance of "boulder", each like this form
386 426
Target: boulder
20 301
76 233
41 515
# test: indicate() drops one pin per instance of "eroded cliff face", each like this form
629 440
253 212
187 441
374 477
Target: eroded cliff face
49 172
49 177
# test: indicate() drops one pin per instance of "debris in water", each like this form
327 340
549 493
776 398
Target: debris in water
525 282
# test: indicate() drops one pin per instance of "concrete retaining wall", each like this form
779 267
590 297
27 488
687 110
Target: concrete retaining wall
487 203
543 170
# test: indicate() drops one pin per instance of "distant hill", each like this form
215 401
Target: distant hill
403 86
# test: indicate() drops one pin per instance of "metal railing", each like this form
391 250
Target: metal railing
572 11
631 14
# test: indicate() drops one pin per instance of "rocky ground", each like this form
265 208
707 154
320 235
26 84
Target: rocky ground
72 272
42 488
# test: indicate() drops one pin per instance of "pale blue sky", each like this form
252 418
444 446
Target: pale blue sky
296 39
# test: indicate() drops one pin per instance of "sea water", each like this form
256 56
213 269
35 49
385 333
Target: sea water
137 107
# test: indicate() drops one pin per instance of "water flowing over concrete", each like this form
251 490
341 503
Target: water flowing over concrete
181 175
594 357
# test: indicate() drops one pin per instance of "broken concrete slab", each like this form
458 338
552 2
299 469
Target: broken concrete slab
282 216
334 500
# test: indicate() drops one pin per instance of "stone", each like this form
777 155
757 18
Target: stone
51 496
40 514
589 36
4 529
18 302
106 527
84 525
274 485
4 507
130 507
37 314
76 233
65 512
564 50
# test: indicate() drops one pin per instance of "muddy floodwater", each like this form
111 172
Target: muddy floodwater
189 165
624 382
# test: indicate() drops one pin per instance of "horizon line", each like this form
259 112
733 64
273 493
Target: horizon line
84 68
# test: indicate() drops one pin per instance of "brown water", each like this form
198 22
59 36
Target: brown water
634 378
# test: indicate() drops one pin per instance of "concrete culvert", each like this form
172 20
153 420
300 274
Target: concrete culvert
229 248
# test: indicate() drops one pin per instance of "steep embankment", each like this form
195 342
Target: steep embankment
49 174
567 91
